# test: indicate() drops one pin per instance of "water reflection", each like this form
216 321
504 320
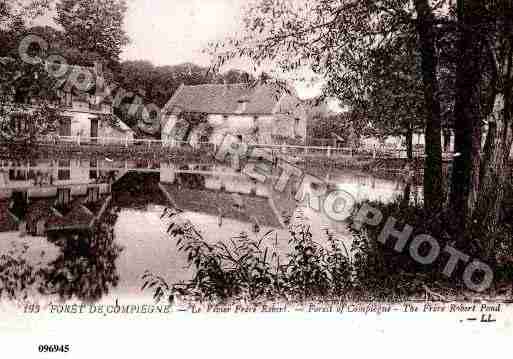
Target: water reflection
101 219
86 267
81 264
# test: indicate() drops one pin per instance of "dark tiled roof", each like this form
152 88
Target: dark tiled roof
67 86
114 122
79 215
211 201
96 206
226 99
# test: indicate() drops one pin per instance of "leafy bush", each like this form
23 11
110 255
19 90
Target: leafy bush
86 267
16 278
245 268
381 270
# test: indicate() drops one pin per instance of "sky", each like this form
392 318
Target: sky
169 32
175 31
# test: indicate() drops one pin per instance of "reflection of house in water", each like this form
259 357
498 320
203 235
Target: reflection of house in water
44 176
213 177
219 192
50 195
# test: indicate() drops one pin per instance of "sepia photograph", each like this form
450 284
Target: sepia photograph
262 177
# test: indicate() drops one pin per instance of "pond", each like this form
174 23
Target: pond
46 225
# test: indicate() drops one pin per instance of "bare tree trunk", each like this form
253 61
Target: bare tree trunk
494 171
409 143
465 175
495 167
433 188
405 201
447 140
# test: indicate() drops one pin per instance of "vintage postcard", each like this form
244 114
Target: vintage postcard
255 177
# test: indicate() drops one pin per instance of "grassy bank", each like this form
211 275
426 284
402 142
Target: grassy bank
382 168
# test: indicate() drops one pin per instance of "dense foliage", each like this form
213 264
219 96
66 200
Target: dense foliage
94 26
248 268
406 66
84 269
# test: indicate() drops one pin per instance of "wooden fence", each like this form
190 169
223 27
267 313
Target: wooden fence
145 145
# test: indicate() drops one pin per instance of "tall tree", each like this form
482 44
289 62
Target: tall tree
396 91
467 108
433 165
336 39
23 84
94 26
497 110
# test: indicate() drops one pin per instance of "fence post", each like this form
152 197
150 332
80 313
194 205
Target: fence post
78 139
329 152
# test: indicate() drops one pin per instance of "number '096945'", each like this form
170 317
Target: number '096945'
53 348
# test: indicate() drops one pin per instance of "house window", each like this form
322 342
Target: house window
255 127
64 175
65 126
106 108
40 227
93 194
94 106
296 126
63 196
68 99
20 122
18 173
241 107
64 172
64 163
93 171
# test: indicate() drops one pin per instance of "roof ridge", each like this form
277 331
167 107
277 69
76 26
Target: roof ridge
224 98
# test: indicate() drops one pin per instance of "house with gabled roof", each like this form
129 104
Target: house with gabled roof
83 113
87 114
258 113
